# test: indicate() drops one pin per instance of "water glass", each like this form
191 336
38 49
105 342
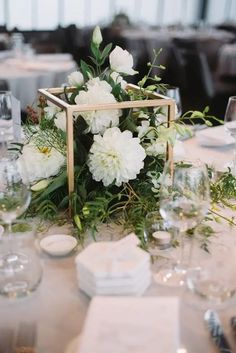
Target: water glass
6 124
20 268
213 280
174 93
230 127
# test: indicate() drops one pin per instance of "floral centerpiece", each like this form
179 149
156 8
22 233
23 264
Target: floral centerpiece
119 154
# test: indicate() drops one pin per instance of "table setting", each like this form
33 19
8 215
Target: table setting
108 240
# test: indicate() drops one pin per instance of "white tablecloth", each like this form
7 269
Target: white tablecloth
25 75
59 308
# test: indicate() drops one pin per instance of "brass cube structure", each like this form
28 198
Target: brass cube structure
52 94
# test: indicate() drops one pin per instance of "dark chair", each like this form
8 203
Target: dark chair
4 85
199 87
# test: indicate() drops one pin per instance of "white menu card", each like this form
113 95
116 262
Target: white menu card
128 324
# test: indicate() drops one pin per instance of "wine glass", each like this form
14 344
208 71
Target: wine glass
6 124
174 93
184 201
230 126
14 199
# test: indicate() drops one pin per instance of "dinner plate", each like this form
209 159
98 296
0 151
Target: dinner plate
58 244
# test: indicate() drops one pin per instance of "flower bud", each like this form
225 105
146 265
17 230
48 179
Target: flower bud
97 36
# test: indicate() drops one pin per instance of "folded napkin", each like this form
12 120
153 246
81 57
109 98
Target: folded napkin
151 325
136 288
214 137
114 268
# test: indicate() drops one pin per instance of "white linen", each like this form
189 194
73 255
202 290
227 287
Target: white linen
25 76
214 137
123 325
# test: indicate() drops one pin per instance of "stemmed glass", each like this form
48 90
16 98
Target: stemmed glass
230 126
6 113
14 199
184 201
174 93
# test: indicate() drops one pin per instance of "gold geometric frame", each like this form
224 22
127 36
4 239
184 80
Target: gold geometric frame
51 94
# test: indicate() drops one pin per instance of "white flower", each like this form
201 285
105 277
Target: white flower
51 110
121 61
117 78
98 92
97 36
60 120
145 130
36 164
76 79
115 157
96 83
156 148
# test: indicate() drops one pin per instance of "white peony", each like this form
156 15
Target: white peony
36 164
60 120
76 79
115 157
51 110
98 92
117 78
121 61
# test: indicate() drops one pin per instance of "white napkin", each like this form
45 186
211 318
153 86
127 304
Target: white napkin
113 259
151 325
84 275
214 137
133 289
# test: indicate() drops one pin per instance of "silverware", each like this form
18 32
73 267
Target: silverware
233 325
216 331
26 338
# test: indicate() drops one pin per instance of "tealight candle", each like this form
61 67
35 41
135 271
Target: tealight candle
162 237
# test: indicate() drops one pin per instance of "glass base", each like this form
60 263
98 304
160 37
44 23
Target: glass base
175 277
19 275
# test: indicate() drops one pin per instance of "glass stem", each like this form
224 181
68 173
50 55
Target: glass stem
9 235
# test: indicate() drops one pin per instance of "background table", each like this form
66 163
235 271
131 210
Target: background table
25 75
59 307
227 60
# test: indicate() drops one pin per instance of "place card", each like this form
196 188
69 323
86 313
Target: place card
124 325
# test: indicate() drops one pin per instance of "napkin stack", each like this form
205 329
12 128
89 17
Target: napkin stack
114 268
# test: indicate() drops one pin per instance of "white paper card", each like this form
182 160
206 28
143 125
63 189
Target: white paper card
16 118
124 325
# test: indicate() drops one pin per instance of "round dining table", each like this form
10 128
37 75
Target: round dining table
25 74
58 307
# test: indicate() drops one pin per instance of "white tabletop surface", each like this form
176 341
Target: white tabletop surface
25 75
59 307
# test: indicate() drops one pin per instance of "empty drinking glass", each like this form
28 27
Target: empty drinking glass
174 93
184 201
6 124
230 126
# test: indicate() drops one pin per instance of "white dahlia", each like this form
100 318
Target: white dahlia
39 163
98 92
115 157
